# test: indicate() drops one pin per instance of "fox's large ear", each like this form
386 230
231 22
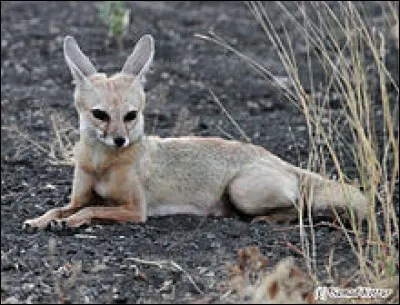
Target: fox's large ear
139 61
80 66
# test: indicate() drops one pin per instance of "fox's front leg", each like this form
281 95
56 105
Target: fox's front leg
126 204
81 195
101 213
43 221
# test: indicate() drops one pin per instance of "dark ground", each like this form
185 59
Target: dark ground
36 83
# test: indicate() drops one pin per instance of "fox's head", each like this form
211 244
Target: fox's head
110 108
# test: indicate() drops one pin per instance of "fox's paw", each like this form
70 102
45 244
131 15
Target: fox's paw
54 225
59 225
32 225
28 227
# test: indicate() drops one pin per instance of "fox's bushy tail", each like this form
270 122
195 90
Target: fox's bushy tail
325 194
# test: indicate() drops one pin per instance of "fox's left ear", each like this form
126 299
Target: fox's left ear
138 63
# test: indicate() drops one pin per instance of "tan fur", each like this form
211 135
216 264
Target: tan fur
285 283
145 175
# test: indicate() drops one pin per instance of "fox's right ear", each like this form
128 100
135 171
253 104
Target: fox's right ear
80 66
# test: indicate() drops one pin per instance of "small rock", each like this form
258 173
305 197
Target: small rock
11 300
267 105
253 108
210 274
117 298
28 286
301 128
210 236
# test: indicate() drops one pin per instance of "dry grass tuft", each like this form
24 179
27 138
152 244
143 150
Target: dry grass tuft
60 150
351 112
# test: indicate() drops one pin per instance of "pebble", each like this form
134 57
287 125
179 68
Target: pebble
253 108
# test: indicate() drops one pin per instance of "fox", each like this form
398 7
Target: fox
123 175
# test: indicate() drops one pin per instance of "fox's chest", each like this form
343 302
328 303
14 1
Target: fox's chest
110 172
104 189
114 185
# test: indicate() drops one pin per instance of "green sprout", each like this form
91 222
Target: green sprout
116 16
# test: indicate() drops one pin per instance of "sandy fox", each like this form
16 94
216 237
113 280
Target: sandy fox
123 175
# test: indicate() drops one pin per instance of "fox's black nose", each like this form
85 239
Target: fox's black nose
119 141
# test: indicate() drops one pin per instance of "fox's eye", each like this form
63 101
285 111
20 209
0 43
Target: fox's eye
130 116
100 115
